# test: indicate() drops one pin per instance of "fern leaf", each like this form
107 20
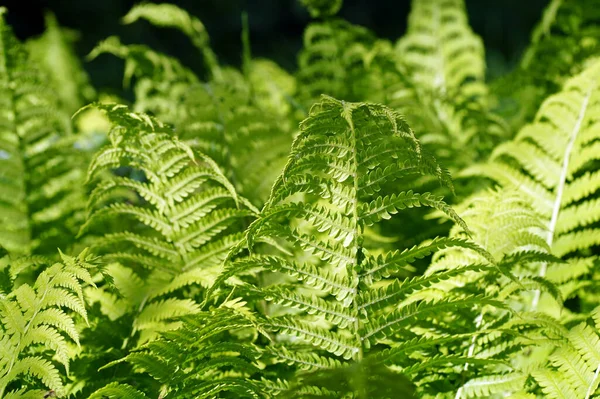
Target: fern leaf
488 385
195 360
41 198
32 321
116 390
441 85
562 133
186 211
55 54
336 298
169 15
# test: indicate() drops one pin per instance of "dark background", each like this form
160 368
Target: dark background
276 28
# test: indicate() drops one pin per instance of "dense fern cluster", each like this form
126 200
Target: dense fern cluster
258 233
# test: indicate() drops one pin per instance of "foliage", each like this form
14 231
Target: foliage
40 170
38 323
261 233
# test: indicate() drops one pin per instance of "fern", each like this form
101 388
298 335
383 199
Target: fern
54 53
513 234
183 215
198 360
550 161
345 61
161 80
367 379
443 90
441 51
573 368
561 45
169 15
228 117
250 144
37 326
40 199
346 299
333 289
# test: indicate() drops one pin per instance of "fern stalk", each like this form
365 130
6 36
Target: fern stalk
560 188
590 389
353 268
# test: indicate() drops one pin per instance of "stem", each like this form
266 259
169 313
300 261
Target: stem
590 389
560 188
353 269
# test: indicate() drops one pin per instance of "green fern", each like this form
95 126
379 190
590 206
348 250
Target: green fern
183 215
441 51
504 224
561 45
339 298
329 291
40 199
550 161
273 88
169 15
573 369
37 325
220 119
161 81
55 54
366 379
223 121
203 359
228 118
443 90
345 61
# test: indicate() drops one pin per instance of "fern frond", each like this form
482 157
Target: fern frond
574 366
273 88
563 43
227 121
367 379
55 54
35 322
555 152
441 85
504 225
182 215
116 390
169 15
196 361
488 385
233 118
40 170
337 298
161 80
441 51
344 61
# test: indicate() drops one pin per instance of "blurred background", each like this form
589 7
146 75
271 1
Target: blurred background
276 28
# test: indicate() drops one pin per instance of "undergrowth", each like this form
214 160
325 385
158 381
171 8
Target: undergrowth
382 222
